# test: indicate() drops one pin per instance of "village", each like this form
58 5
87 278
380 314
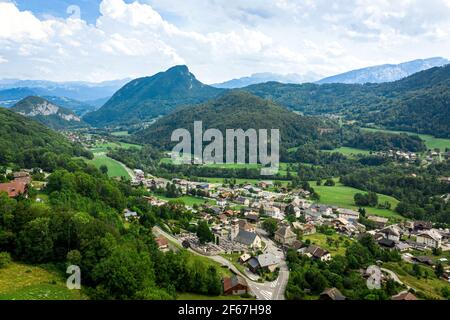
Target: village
253 226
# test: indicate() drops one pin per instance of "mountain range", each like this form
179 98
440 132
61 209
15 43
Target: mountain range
47 113
386 72
267 77
149 97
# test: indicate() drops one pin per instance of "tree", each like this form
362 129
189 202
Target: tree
103 169
35 241
329 183
439 270
204 234
270 225
5 259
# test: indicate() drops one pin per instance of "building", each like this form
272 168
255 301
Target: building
22 176
244 225
162 243
305 229
422 225
316 252
249 239
284 235
430 238
130 215
273 212
332 294
235 285
404 296
14 188
379 222
391 233
268 262
347 214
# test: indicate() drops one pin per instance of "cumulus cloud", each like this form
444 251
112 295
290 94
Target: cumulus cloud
221 39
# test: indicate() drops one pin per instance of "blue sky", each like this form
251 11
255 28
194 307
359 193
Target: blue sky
217 39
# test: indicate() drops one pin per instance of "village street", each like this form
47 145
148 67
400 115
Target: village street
263 291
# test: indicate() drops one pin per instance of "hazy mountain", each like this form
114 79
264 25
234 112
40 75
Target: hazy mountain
266 77
9 97
81 91
80 108
47 113
419 103
385 73
235 109
146 98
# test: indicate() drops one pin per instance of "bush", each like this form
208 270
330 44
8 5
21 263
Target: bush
5 259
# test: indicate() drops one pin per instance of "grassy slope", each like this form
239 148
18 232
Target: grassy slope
430 141
115 169
188 200
343 196
347 151
24 282
320 240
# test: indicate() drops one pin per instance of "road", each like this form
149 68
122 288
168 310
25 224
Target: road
263 291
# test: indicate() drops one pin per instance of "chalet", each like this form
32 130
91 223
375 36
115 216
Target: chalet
379 222
235 285
265 184
130 215
391 233
243 201
422 225
244 225
285 236
162 243
273 212
316 252
332 294
404 296
249 239
244 258
350 215
384 242
14 188
22 176
252 218
253 265
423 259
430 238
268 262
305 229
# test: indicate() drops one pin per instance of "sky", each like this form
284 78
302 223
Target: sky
98 40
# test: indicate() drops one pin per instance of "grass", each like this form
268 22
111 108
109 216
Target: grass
431 286
194 296
347 151
343 196
25 282
243 180
223 271
104 147
188 200
115 169
234 259
120 134
430 141
320 239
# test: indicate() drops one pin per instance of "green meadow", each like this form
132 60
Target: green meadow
115 169
430 141
347 151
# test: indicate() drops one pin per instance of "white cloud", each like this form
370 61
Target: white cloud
221 39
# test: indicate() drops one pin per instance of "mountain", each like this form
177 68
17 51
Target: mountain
78 107
146 98
418 103
81 91
47 113
234 110
9 97
386 73
27 143
267 77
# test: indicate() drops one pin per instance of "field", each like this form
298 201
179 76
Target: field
115 169
343 196
347 151
431 286
188 200
243 181
430 141
103 147
120 134
320 240
24 282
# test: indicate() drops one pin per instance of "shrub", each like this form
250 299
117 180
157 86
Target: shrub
5 259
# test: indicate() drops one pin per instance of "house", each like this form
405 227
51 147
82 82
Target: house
268 262
244 225
243 201
332 294
316 252
273 212
430 238
162 243
422 225
234 285
14 188
244 258
423 259
347 214
130 215
391 233
404 296
384 242
284 235
22 176
379 222
249 239
253 218
305 229
253 265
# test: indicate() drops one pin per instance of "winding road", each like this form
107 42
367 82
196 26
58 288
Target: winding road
263 290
